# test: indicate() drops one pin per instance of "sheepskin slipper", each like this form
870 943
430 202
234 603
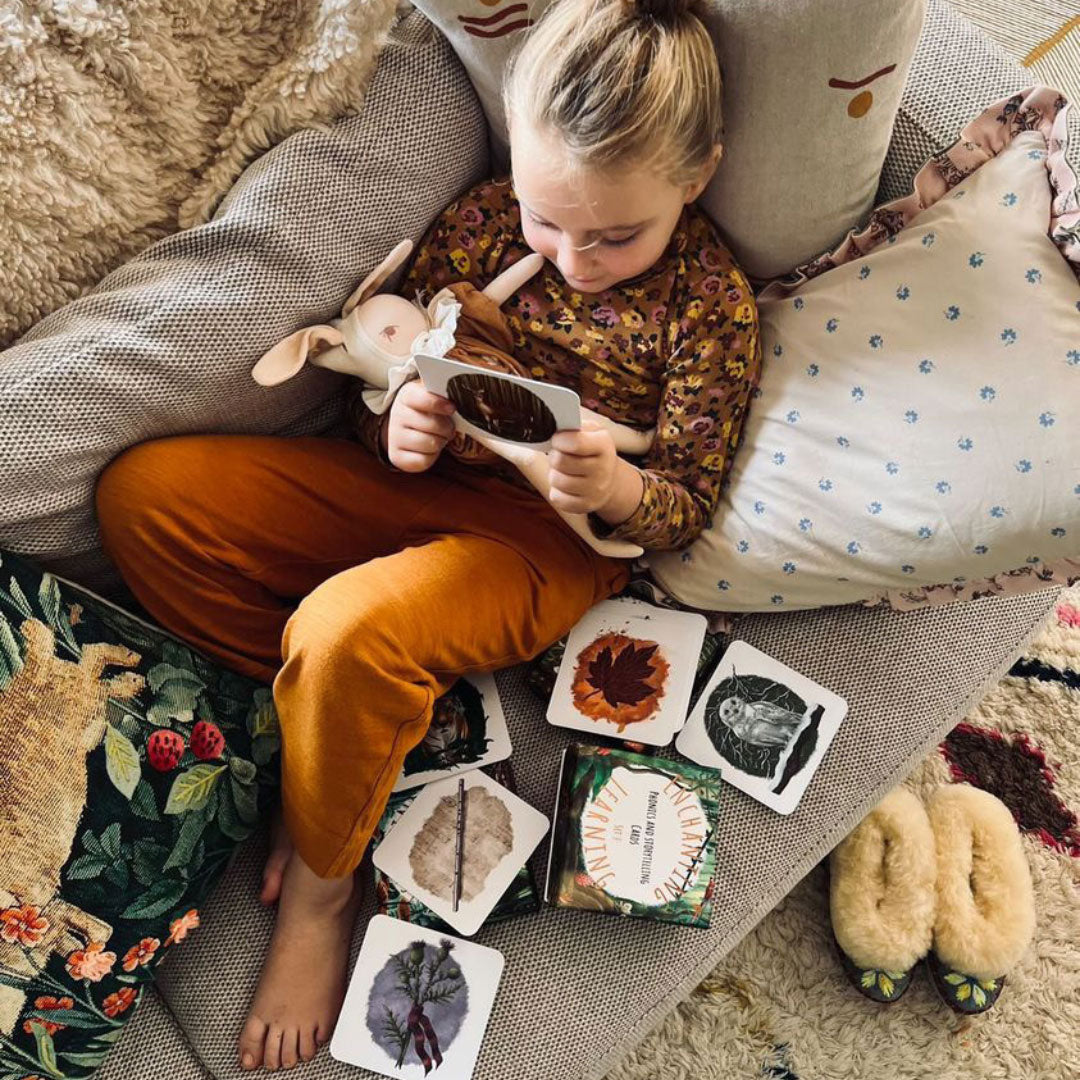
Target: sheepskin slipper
881 896
985 900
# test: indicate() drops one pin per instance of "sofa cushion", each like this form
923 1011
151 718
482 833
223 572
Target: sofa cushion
811 91
129 769
165 344
914 422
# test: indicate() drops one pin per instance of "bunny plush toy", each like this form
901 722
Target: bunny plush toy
379 333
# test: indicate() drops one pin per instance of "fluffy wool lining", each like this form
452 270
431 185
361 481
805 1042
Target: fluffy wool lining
985 902
882 885
120 121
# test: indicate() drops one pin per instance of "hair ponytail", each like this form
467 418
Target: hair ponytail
621 82
665 13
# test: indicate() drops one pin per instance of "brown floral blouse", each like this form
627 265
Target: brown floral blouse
676 347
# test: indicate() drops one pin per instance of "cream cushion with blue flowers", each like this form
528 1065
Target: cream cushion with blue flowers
917 420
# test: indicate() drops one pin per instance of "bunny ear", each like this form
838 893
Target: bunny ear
510 280
377 278
286 358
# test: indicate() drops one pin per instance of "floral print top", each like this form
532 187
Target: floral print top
676 348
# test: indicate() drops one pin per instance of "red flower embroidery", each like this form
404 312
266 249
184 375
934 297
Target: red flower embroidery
142 953
91 963
51 1027
22 926
119 1002
178 928
54 1003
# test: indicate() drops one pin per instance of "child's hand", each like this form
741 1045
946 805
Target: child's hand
584 469
419 428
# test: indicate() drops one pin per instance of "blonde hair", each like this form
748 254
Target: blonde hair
621 83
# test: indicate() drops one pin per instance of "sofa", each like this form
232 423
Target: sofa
578 995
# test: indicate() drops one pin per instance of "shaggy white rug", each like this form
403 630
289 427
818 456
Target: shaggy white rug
123 120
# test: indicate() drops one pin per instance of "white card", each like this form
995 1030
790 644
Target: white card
416 994
763 725
501 832
507 407
468 730
628 671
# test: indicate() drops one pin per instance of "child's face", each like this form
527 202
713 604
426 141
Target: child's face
597 228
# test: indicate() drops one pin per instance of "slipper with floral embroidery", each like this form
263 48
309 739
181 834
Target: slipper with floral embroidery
985 901
881 896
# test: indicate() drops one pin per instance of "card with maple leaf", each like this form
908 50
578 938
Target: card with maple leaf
628 671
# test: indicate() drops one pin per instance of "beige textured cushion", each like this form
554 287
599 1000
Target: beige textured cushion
802 156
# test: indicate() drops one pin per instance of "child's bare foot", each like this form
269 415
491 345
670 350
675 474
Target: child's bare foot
303 978
280 850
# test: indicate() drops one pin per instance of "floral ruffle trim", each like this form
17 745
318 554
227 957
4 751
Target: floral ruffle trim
1038 108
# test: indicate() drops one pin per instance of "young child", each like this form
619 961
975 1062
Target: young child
364 579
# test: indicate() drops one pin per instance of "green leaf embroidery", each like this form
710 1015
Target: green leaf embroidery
143 802
162 674
19 599
886 984
191 790
190 831
867 979
90 1060
264 747
122 762
262 718
91 843
118 875
988 984
178 656
245 771
10 657
954 978
246 800
163 895
70 1017
228 820
86 867
110 1036
175 700
963 992
110 840
45 1049
978 995
896 976
49 597
147 861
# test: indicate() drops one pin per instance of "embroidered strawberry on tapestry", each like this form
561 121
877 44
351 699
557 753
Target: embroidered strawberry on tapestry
619 679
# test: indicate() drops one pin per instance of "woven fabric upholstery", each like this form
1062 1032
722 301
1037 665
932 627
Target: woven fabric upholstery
956 72
165 344
580 988
152 1045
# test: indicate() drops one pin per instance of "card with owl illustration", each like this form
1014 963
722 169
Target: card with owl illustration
467 730
499 832
763 725
628 671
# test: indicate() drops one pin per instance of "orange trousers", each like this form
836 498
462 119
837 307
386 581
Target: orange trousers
362 592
